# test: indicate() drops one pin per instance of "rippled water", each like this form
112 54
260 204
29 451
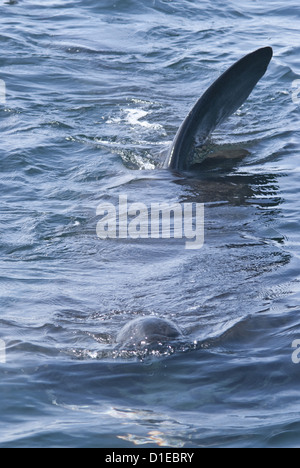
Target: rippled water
95 91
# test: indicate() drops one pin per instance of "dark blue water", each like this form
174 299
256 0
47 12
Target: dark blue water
95 90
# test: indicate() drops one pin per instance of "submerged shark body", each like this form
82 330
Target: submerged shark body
147 331
222 99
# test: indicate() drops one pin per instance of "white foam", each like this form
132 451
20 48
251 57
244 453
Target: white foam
133 117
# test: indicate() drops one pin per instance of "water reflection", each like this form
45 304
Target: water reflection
219 179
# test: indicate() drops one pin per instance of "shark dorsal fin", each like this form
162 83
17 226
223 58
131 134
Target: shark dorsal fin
221 100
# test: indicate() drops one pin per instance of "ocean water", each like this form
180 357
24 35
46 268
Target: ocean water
94 92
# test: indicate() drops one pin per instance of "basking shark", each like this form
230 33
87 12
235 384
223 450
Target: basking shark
224 97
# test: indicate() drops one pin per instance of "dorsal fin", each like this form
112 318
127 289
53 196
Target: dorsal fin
222 99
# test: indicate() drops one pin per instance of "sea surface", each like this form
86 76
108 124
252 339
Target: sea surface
92 94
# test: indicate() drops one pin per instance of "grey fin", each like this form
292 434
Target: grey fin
221 100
